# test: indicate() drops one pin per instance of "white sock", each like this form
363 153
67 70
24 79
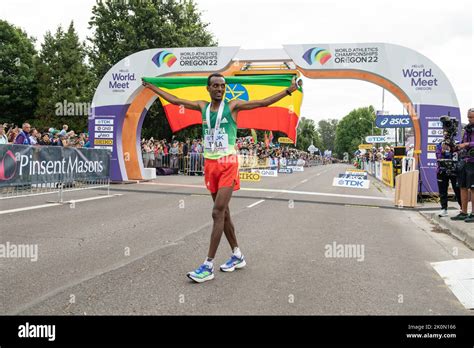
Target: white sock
208 262
237 252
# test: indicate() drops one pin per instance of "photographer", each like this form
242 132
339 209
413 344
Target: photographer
466 170
445 175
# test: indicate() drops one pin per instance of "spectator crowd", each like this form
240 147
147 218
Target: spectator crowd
26 135
160 153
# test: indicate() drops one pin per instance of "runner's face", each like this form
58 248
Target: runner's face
216 88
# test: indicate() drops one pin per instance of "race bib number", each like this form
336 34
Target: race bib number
221 145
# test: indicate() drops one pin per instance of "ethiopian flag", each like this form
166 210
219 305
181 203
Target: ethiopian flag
281 116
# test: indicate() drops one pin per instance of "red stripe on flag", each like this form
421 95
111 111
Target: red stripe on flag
272 118
182 120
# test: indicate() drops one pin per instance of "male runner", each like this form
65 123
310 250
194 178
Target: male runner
221 168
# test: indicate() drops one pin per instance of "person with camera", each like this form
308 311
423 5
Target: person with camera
466 170
445 175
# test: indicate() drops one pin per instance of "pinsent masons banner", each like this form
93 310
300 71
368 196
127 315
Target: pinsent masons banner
26 165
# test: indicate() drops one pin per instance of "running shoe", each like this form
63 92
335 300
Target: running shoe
202 274
233 263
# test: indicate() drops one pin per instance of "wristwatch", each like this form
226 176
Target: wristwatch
288 92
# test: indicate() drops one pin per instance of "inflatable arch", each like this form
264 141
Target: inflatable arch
120 102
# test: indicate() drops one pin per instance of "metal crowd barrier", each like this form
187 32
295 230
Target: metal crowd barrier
39 186
193 163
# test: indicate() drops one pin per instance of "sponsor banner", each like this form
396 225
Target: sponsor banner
103 142
351 183
365 146
104 147
266 172
104 135
354 176
104 128
285 140
26 165
375 139
285 171
435 132
246 176
435 124
431 148
291 162
435 140
296 168
431 155
355 171
393 121
104 121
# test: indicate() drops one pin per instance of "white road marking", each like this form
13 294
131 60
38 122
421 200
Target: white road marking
167 184
91 198
28 208
279 191
303 181
54 204
254 204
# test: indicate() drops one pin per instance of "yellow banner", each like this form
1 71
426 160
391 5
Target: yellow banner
365 146
103 141
387 173
245 176
285 140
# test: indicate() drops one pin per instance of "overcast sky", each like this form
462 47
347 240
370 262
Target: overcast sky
441 30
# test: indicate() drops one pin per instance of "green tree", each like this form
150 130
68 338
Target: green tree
64 81
307 134
18 92
124 27
353 128
327 133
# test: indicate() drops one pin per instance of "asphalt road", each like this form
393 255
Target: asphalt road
129 253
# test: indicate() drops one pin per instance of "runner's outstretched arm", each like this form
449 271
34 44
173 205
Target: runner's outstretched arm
188 104
249 105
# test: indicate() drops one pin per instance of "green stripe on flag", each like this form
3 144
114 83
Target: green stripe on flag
198 81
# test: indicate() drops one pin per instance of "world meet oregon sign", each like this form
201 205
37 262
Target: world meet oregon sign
419 84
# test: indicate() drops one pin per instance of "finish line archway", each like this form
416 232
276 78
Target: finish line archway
120 102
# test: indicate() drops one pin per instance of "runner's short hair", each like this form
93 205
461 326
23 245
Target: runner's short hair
213 75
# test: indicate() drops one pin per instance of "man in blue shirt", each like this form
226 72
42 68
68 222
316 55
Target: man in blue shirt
23 138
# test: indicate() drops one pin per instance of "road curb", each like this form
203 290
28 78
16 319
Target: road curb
456 231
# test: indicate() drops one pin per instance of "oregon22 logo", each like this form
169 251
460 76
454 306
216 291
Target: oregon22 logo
320 55
164 57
